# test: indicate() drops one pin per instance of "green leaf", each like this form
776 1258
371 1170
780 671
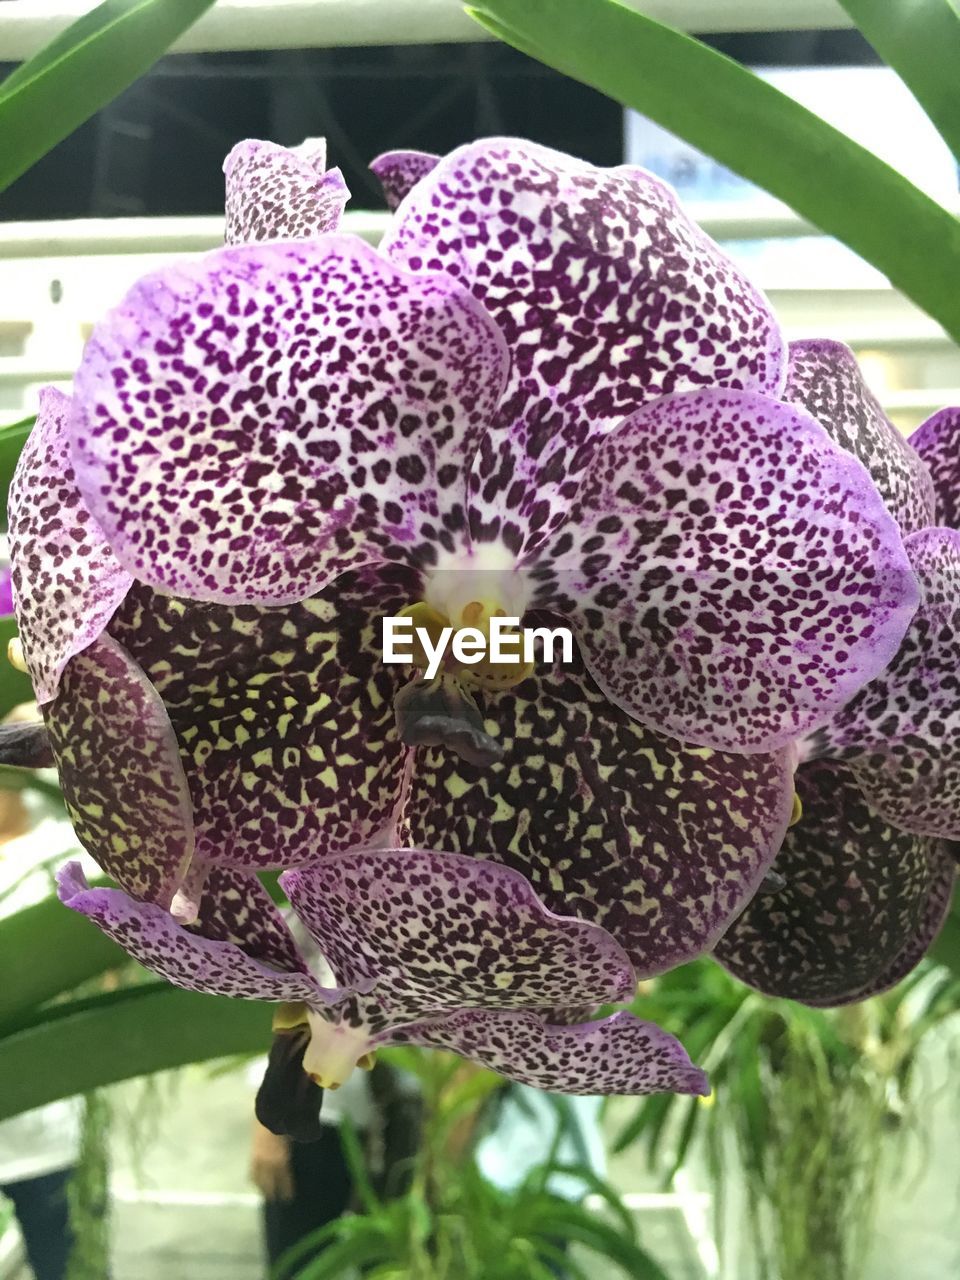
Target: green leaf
83 69
563 1221
84 1045
920 39
50 950
15 687
746 124
12 440
946 949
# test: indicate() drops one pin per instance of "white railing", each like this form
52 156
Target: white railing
26 25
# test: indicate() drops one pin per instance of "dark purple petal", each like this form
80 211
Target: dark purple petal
659 844
856 898
824 378
619 1054
184 957
942 881
732 575
608 296
400 171
120 771
281 193
431 932
284 716
235 907
937 441
253 423
901 734
66 580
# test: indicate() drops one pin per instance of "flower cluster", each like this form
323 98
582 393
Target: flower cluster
546 394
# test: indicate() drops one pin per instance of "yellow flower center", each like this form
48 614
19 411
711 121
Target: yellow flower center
473 625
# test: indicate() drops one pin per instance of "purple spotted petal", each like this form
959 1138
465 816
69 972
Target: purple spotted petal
182 956
732 575
937 441
6 593
901 734
281 193
855 898
438 931
66 580
608 296
619 1054
253 423
824 378
936 908
658 844
284 716
400 171
120 771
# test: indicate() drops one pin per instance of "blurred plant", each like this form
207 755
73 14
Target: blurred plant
451 1222
88 1194
803 1102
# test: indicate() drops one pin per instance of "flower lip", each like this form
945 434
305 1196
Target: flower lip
441 713
289 1100
334 1049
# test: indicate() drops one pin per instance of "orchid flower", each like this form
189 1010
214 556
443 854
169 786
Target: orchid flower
858 892
549 396
278 444
900 734
428 949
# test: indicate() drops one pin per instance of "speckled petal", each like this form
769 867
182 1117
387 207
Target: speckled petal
281 193
400 171
284 716
120 771
824 378
937 441
619 1054
936 908
610 822
855 897
66 580
901 734
435 931
608 296
184 957
733 576
257 421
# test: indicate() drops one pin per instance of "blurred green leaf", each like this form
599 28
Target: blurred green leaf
12 440
920 39
562 1220
15 687
83 69
746 124
946 949
86 1044
50 950
53 950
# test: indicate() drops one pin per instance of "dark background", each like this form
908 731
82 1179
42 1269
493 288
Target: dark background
159 148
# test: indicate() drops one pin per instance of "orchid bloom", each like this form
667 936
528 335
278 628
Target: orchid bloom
549 395
428 949
287 192
864 880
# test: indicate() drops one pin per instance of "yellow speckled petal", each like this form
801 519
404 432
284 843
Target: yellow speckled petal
659 844
284 716
120 770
